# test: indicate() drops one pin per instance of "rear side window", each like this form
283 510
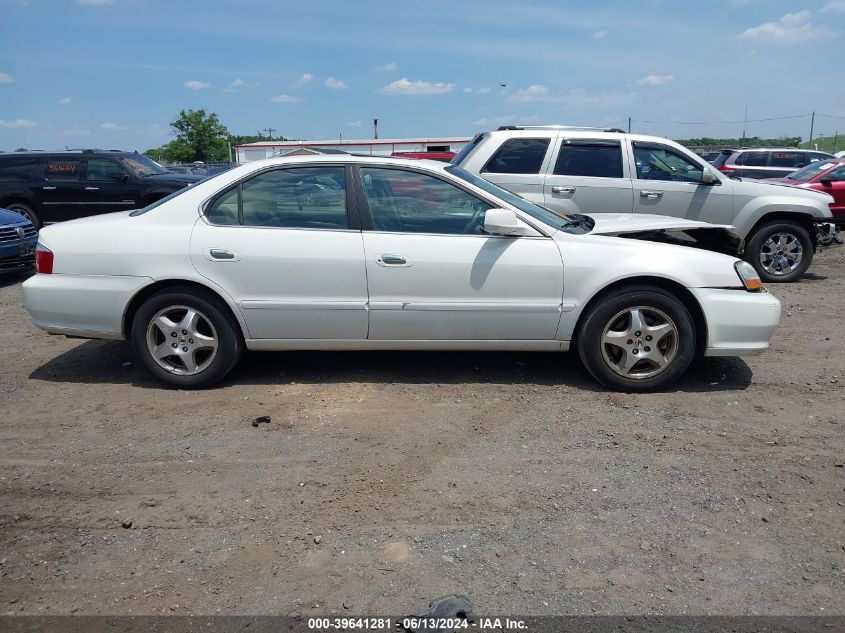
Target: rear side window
18 168
753 159
303 198
598 159
63 169
789 159
518 156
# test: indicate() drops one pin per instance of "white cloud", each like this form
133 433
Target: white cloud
193 84
482 90
335 84
236 85
64 100
384 68
654 80
599 35
835 6
6 78
284 99
18 123
303 79
791 28
108 125
534 92
405 87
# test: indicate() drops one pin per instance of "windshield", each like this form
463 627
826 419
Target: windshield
546 216
807 173
160 201
142 165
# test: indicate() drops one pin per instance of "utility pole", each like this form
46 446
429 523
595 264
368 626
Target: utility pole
269 131
812 125
375 128
744 124
629 125
835 140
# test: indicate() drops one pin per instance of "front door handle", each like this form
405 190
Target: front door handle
48 188
221 253
92 188
392 260
563 189
653 195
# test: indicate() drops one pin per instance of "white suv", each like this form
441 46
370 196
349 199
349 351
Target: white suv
590 170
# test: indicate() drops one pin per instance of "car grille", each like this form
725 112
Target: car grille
16 263
10 234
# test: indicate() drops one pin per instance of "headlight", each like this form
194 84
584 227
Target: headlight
749 277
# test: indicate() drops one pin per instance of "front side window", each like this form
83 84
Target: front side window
597 159
411 202
836 175
63 169
518 156
103 169
792 160
302 198
660 163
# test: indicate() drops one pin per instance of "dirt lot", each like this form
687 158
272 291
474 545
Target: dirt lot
385 480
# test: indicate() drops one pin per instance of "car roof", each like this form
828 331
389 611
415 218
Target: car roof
69 152
349 158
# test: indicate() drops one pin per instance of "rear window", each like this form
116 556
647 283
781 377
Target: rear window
518 156
18 167
599 159
753 159
789 159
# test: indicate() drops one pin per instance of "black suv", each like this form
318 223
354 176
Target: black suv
765 162
53 186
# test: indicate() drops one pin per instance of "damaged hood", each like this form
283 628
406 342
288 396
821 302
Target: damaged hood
720 238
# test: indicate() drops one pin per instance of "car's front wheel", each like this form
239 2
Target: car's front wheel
26 211
639 339
186 338
780 251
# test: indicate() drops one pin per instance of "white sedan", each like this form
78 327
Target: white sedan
350 252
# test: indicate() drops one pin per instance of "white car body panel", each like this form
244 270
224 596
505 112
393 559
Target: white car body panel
324 289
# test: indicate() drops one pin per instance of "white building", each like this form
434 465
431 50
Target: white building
375 147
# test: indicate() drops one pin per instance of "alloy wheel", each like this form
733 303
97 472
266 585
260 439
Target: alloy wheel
639 342
181 340
781 254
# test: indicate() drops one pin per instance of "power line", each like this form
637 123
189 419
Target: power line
774 118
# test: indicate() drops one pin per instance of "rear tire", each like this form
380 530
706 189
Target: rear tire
186 337
780 251
26 211
640 338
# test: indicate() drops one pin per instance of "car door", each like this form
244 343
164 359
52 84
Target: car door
669 183
109 187
294 265
588 176
62 195
833 183
434 275
519 165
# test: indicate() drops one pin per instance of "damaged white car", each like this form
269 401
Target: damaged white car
351 252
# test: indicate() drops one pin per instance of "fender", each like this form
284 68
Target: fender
751 209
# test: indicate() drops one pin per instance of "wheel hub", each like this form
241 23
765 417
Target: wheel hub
181 340
639 342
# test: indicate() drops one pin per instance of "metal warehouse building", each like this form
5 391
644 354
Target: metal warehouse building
376 147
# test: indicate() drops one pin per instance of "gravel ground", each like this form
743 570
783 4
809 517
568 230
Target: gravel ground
386 479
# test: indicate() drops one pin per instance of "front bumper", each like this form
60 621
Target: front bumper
11 259
739 323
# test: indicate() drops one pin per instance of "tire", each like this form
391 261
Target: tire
655 358
772 249
26 211
207 347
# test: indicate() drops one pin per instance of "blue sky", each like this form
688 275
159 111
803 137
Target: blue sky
114 73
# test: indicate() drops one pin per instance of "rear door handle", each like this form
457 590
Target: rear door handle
48 188
391 259
563 189
651 194
221 253
92 188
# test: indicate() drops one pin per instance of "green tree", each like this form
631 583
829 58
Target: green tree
22 149
201 135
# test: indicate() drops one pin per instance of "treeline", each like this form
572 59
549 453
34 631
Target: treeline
752 141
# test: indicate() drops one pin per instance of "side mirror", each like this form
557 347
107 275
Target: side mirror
827 182
708 177
504 222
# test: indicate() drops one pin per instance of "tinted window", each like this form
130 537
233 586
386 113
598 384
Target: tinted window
661 163
814 156
103 169
18 167
63 169
788 159
306 198
835 175
753 159
518 156
809 172
411 202
601 160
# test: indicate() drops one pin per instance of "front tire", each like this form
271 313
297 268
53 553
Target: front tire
639 339
780 251
26 211
186 338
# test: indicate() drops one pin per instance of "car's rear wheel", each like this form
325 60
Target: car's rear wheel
26 211
186 338
640 339
780 251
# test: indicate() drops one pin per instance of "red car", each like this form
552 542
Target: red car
444 157
823 175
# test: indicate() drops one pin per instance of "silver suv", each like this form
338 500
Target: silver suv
766 162
589 170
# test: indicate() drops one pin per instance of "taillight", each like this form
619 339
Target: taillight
726 168
43 260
